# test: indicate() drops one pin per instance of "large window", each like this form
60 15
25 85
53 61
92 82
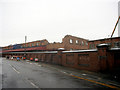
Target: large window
82 43
76 41
71 41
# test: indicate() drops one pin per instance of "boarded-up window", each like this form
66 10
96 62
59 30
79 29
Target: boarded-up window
83 59
70 59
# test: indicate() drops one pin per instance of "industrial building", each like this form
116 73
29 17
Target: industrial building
68 43
112 42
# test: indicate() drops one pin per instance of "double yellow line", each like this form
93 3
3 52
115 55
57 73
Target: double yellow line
110 86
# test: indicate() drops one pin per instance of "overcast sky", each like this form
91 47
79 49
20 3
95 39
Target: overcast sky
53 19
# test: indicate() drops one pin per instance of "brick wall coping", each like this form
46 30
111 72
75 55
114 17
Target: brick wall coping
88 50
34 52
104 39
61 48
104 44
115 49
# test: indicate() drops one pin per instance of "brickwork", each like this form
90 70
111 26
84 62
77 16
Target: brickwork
113 42
55 46
69 43
101 59
36 43
74 43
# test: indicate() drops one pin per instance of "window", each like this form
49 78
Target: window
117 44
76 41
82 43
86 43
92 46
37 44
32 44
71 41
29 45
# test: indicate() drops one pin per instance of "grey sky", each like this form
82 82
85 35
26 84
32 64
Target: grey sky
53 19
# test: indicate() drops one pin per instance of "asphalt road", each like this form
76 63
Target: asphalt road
23 74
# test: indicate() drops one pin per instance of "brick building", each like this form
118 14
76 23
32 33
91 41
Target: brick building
7 47
39 45
69 42
35 43
113 42
74 43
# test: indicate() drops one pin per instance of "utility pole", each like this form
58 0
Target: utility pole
25 45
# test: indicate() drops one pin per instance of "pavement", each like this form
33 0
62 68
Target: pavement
30 74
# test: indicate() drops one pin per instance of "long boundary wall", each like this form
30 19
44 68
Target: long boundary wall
101 59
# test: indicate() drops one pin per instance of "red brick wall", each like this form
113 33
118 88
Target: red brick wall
34 43
85 60
111 41
101 59
55 46
80 44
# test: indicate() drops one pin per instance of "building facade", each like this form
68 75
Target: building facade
69 42
39 45
113 42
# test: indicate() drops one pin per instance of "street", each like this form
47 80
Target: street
25 74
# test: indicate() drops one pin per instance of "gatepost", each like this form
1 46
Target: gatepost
60 55
102 56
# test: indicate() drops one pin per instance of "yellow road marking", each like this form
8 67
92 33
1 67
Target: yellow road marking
110 86
96 82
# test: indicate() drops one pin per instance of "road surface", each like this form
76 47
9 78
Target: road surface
25 74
